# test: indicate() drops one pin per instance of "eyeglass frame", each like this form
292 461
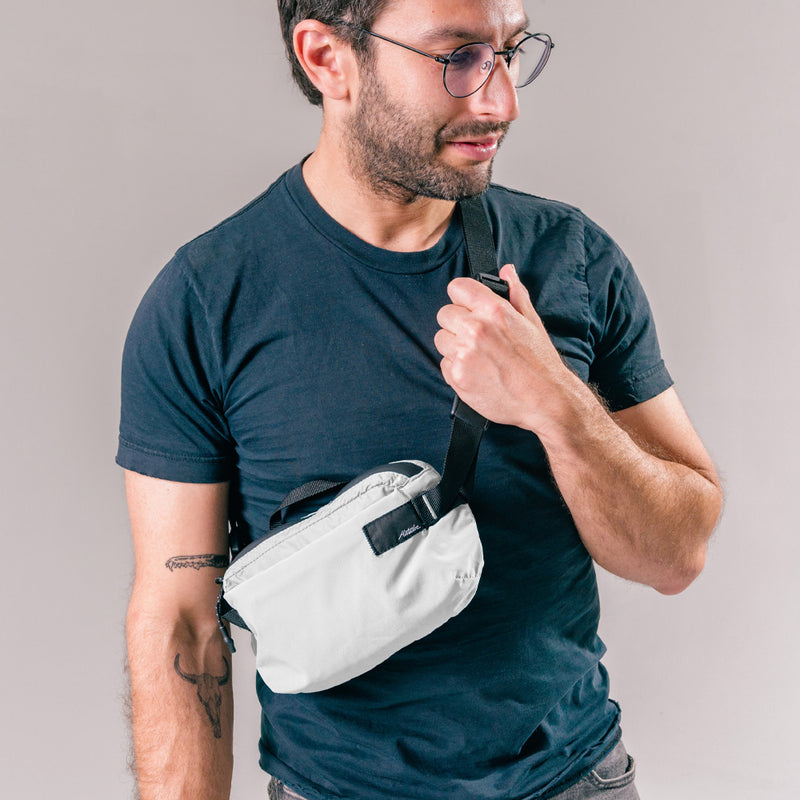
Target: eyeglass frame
508 54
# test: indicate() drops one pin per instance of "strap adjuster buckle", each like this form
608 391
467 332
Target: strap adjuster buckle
460 410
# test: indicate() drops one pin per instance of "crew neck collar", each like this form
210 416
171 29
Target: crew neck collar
373 257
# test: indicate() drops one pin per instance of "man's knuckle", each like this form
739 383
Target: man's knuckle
478 330
496 314
458 371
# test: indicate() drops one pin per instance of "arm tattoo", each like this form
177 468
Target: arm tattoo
208 692
196 562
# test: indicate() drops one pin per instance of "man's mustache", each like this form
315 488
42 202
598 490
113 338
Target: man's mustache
473 130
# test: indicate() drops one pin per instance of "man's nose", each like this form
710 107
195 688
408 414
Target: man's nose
498 96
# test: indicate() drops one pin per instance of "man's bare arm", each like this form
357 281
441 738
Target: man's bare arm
640 486
181 689
642 489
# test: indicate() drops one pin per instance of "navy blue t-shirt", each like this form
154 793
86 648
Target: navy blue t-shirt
279 348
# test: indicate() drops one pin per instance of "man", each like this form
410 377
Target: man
321 331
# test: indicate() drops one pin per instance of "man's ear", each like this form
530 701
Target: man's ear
327 60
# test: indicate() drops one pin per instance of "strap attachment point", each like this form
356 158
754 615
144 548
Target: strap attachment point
461 411
223 610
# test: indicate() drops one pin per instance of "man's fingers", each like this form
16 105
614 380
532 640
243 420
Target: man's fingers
473 295
444 341
469 293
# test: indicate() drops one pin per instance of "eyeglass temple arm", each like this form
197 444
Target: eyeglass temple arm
439 59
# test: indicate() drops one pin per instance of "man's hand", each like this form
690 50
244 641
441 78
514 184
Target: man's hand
497 355
640 486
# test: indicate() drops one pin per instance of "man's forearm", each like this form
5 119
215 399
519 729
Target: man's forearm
642 517
182 705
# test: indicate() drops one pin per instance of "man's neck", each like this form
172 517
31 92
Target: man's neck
381 221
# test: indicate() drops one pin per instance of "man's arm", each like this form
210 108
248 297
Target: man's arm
640 486
180 668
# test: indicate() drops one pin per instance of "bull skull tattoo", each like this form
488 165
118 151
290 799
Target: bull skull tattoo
208 691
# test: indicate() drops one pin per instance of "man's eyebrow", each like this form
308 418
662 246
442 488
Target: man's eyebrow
450 32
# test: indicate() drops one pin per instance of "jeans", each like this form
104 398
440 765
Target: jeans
611 779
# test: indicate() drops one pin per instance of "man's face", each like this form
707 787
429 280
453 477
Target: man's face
407 136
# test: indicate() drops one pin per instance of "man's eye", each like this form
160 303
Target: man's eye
461 59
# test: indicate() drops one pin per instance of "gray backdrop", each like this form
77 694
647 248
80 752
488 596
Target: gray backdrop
128 130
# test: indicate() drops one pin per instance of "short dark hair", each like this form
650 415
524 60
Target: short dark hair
344 16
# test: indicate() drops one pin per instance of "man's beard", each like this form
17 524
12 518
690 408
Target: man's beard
398 158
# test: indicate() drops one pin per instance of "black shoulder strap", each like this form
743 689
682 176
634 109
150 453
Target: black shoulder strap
481 255
468 426
481 252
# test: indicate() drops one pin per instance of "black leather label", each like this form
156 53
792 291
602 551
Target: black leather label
393 528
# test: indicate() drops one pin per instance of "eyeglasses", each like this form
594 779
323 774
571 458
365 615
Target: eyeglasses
468 67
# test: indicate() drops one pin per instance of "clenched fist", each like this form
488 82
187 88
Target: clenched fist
497 356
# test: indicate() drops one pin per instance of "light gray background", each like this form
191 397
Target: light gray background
126 130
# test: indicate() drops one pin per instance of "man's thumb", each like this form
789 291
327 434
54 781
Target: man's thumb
518 295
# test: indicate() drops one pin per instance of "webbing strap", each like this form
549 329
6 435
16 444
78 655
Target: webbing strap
482 261
459 462
302 493
468 426
481 254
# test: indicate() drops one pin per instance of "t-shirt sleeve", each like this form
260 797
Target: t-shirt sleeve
627 368
172 424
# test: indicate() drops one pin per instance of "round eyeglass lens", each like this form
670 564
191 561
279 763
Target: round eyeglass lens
529 60
469 66
468 69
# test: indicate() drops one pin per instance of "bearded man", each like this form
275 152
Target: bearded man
322 330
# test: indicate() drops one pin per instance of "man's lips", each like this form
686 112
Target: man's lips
477 149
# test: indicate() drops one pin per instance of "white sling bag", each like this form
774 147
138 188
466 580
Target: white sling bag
392 557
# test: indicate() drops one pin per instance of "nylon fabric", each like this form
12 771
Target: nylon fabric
324 608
